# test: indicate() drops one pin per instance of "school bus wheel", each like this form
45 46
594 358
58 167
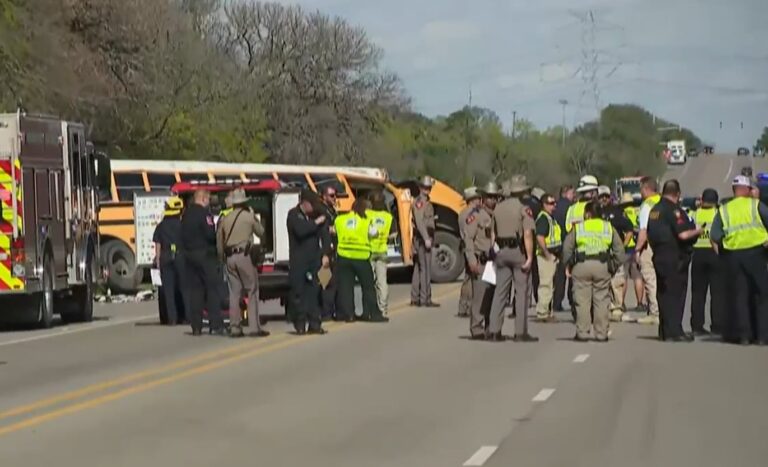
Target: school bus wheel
447 265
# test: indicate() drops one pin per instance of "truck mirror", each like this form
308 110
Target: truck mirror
103 169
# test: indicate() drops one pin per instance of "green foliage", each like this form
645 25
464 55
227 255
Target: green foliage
762 142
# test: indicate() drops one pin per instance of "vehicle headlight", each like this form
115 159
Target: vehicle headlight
19 270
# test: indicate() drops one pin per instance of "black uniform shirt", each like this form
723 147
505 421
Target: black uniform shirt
198 231
303 242
615 215
542 226
167 233
328 239
665 222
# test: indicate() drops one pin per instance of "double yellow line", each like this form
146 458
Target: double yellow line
189 367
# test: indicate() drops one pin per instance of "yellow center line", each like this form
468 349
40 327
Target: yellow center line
275 343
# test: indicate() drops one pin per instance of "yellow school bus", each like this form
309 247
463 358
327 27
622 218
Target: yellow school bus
118 236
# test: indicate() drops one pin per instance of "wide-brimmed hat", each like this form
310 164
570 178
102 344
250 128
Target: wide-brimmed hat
173 206
238 196
490 189
517 184
427 181
471 193
587 183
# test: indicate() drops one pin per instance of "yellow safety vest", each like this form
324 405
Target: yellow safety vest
742 225
225 211
574 215
652 200
554 239
631 213
352 234
701 217
593 236
382 220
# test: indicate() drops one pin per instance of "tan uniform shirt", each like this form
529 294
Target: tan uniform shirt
423 214
512 219
479 235
237 228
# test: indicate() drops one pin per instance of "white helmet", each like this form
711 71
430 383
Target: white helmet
587 183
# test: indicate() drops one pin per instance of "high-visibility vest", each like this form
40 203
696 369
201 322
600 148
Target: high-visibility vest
593 236
352 234
652 200
574 215
701 217
742 225
631 213
554 238
382 220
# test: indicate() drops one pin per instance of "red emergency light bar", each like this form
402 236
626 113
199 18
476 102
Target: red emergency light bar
228 185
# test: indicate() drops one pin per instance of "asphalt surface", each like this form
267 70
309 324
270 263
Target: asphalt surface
124 391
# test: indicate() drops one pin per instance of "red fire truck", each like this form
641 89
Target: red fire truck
49 182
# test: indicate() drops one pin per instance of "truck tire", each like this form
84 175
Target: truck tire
123 276
447 264
43 301
80 306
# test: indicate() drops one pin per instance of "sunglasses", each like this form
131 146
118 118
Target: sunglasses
330 195
549 203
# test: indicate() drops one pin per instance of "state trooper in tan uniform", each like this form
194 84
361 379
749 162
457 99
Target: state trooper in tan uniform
423 215
479 239
514 235
472 198
234 240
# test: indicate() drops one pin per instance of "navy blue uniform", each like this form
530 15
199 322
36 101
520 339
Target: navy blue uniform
304 262
168 234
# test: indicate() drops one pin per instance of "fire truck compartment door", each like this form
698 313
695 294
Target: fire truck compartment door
284 202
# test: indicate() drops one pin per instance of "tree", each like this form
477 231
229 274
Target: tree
762 142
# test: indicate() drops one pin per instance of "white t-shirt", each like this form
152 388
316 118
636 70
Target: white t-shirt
642 217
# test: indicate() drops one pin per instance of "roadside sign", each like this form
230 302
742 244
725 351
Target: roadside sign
147 213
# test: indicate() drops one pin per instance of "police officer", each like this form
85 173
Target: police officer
355 231
423 215
707 270
740 225
472 198
643 252
623 227
202 279
328 240
514 235
234 243
381 219
592 250
549 242
166 238
479 229
671 235
304 260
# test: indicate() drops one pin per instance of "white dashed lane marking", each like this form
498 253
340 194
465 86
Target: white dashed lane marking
581 358
481 456
543 395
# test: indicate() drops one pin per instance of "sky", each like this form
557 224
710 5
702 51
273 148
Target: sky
695 62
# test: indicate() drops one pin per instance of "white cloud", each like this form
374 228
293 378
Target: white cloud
449 30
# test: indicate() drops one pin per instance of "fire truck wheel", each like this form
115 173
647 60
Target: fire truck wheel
120 261
447 265
80 307
44 299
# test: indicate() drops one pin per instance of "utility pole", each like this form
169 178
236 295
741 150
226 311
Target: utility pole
467 137
563 102
514 123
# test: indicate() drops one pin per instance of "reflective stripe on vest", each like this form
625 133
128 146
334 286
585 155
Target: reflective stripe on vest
352 233
555 237
574 215
382 220
703 218
593 236
742 225
631 213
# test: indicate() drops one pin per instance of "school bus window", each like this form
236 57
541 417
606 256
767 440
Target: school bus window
299 180
127 184
226 177
321 181
193 177
260 176
160 181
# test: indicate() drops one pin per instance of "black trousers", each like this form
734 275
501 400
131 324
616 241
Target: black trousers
748 291
304 299
172 306
347 270
329 294
202 288
671 289
707 273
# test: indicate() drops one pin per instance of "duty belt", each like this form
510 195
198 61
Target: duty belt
231 251
602 257
483 258
508 242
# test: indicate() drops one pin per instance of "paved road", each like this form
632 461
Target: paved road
714 171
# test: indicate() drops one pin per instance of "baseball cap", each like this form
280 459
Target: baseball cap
741 180
603 190
709 196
